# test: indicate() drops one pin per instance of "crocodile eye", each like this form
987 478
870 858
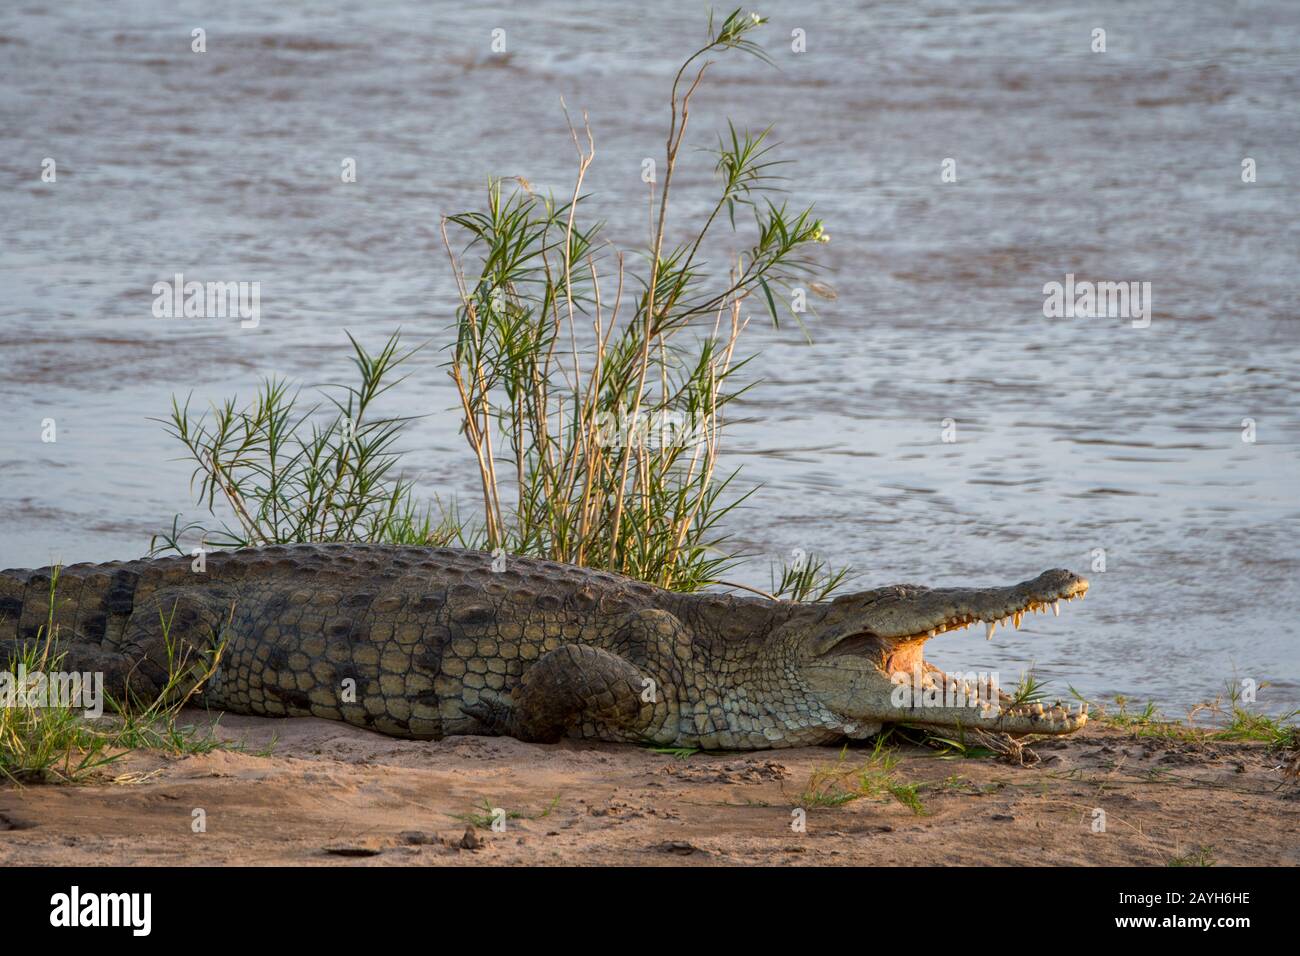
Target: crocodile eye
862 644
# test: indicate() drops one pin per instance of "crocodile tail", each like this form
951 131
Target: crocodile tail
84 602
23 591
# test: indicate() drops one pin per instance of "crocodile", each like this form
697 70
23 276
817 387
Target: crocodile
423 643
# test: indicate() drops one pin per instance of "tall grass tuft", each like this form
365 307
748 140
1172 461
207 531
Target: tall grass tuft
289 474
592 394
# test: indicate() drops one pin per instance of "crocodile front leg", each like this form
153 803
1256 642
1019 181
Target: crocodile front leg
570 686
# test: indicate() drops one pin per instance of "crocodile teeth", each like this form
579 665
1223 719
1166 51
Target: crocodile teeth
989 629
1018 616
1056 608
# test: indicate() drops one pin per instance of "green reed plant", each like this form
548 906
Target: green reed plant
290 473
593 394
1027 690
809 578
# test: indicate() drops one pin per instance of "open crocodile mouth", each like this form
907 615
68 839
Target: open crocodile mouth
899 651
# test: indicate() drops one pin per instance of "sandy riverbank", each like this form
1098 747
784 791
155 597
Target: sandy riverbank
327 793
